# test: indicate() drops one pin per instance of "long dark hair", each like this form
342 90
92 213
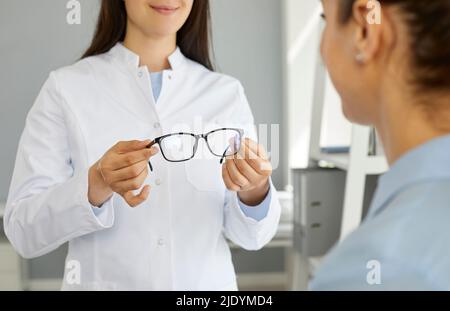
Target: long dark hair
193 38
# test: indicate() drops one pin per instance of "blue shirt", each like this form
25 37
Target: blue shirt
404 242
156 79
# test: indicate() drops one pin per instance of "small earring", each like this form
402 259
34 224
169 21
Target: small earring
360 57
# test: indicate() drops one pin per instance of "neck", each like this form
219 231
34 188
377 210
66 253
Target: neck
408 122
153 51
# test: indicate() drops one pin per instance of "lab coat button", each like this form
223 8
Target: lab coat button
140 74
157 125
158 182
161 242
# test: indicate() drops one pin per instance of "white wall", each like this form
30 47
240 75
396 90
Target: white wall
301 52
299 76
247 37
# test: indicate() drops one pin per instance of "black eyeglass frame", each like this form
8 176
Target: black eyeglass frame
158 140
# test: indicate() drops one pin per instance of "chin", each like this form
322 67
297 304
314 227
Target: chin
355 116
161 30
347 112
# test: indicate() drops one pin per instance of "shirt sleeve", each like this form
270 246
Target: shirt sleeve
260 211
241 224
48 198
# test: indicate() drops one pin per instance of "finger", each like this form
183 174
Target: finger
261 166
128 146
135 200
248 151
130 184
244 152
235 175
127 173
120 161
258 149
227 180
251 144
246 169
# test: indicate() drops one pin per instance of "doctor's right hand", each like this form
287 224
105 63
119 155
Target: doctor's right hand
123 169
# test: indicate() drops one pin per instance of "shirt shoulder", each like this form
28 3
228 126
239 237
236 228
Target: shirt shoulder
84 69
408 239
89 77
197 71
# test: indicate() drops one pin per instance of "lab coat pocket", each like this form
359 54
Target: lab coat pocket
205 175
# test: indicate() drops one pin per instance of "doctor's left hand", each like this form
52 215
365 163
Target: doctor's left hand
248 173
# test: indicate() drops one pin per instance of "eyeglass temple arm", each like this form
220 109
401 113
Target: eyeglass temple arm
148 147
224 155
225 152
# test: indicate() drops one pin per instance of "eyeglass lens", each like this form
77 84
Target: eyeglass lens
182 147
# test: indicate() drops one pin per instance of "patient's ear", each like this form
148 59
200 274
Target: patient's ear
367 18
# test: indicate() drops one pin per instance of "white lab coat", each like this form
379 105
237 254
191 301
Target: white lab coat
173 241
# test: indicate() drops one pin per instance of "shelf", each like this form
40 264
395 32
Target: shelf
283 237
339 160
285 231
376 165
372 165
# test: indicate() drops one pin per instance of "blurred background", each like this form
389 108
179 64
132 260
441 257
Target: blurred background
272 47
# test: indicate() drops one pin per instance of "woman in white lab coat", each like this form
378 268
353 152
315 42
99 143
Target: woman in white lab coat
82 174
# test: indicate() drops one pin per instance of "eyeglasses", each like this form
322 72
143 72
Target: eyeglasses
181 147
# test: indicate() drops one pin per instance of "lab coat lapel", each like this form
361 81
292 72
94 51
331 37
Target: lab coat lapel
130 86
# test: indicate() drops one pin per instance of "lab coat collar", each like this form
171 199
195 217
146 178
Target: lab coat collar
425 163
119 51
